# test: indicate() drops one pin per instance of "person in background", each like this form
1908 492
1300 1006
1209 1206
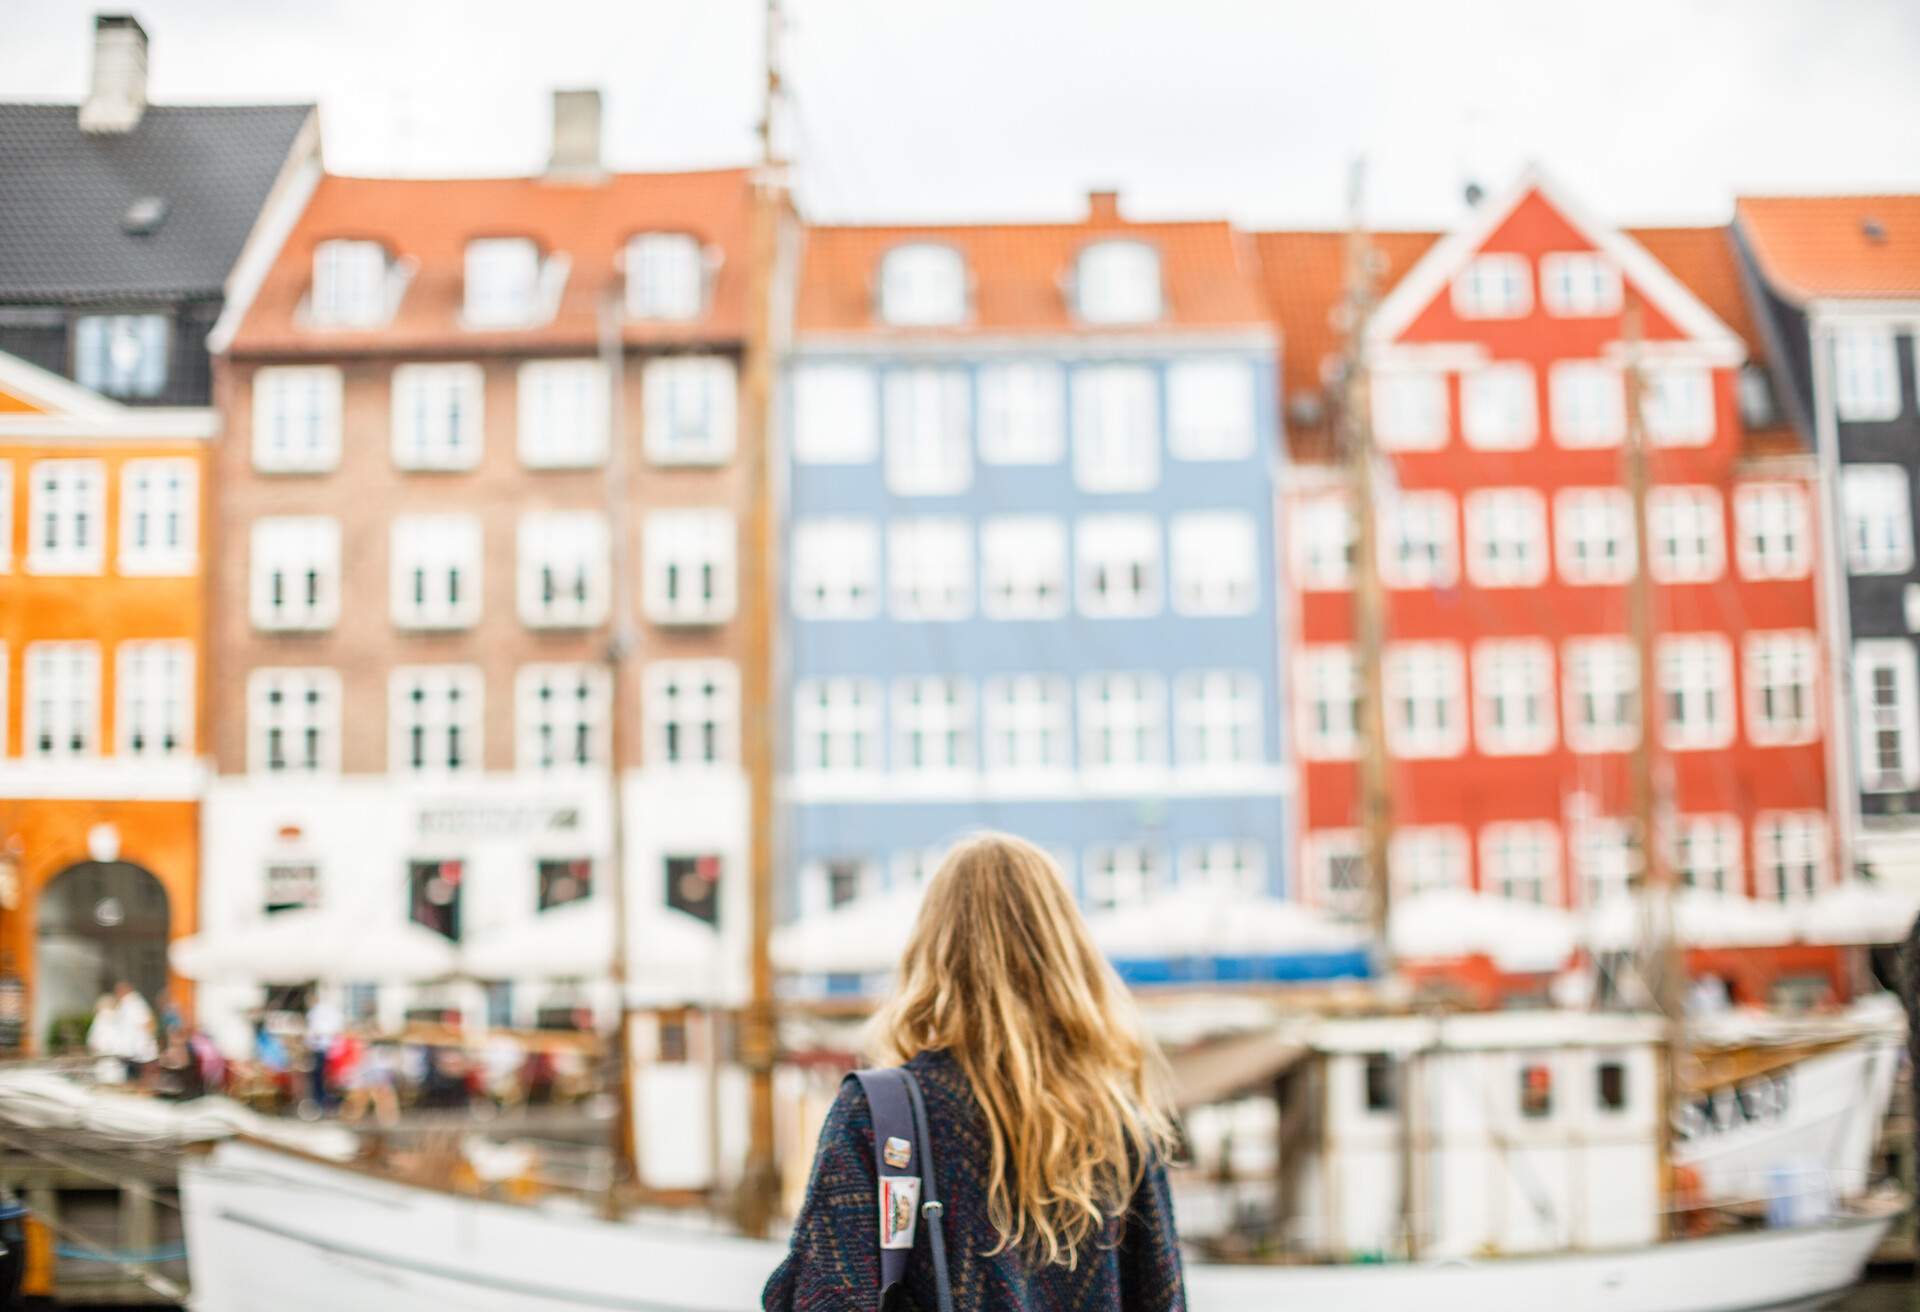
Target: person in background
324 1025
139 1045
105 1042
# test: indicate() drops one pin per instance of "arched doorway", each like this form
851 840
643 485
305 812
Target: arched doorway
96 923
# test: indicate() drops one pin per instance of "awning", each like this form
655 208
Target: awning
292 947
863 938
573 942
1219 1070
1520 937
1701 919
1194 924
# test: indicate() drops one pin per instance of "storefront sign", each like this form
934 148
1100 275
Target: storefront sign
497 819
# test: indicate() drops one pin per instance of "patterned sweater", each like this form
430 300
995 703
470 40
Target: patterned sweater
834 1264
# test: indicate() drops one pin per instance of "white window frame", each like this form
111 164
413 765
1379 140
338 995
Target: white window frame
166 490
66 516
434 576
836 568
1606 858
693 715
1783 687
1772 531
61 692
1425 687
1593 528
1320 852
1503 271
1410 408
697 542
452 733
1677 403
836 414
1116 428
1513 696
1107 723
1027 724
439 416
1500 406
1420 544
308 713
1325 535
1877 505
1327 702
296 418
1866 373
1219 720
1224 868
923 284
1605 670
1119 875
99 365
691 409
1117 281
564 568
153 682
1579 284
1023 417
666 276
844 718
1117 558
1696 681
1894 721
1023 566
566 729
929 430
1429 859
1708 845
563 414
304 552
1211 407
1588 404
491 268
930 572
1787 844
1686 534
933 726
1520 861
1518 560
350 278
1215 562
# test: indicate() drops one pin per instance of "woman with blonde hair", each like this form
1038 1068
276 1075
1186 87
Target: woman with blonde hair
1045 1110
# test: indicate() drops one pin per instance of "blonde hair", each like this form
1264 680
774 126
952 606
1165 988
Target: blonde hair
1001 973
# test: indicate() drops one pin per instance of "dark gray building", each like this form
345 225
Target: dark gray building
121 223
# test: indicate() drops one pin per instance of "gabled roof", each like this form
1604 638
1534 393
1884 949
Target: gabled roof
65 196
36 404
1841 246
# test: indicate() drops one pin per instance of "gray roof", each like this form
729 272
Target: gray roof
65 196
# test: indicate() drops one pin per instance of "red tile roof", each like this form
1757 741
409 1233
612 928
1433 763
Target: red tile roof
1812 246
429 222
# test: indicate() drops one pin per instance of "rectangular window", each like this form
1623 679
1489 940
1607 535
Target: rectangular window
1506 537
1606 857
1219 719
930 568
1602 683
932 726
666 276
1536 1091
562 714
434 573
1513 696
1428 859
1610 1086
433 898
836 569
121 355
1123 722
564 569
1424 685
1589 404
1325 543
564 407
1419 547
1409 409
1494 286
1216 563
836 726
1520 861
293 721
693 886
1027 723
693 713
1119 563
1866 374
1500 406
1579 284
1328 682
67 513
1888 708
689 566
437 416
1706 853
1879 513
929 443
1595 530
502 282
1696 692
836 883
1210 409
1381 1080
292 886
1677 403
1121 875
1225 869
63 700
434 714
1021 419
690 411
159 516
153 717
1781 707
1685 538
561 880
1773 540
296 419
1116 428
1338 872
1023 561
1789 855
836 417
349 284
295 572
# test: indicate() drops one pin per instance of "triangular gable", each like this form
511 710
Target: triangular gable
1433 276
28 389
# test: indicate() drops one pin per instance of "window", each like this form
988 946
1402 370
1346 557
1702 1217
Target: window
433 713
1677 404
1606 858
63 700
1428 859
912 867
433 899
1577 284
1328 680
1023 559
836 726
1589 404
1602 682
1610 1086
1338 871
1122 875
923 284
1499 406
1419 548
1513 696
1772 538
434 580
1696 692
1118 282
6 516
1495 286
932 725
1210 409
930 568
693 886
296 419
693 713
437 416
1216 569
121 355
1425 696
928 446
1888 709
1706 853
836 569
292 886
1506 538
1780 688
835 414
1219 719
1325 543
1224 868
293 721
1119 562
1027 723
295 572
159 516
689 566
1879 515
1684 535
503 282
1520 861
830 885
666 276
563 414
1122 722
1595 529
1536 1090
564 569
1866 373
1021 421
1789 855
68 513
153 718
1410 409
349 284
1381 1079
690 409
562 713
1116 428
561 880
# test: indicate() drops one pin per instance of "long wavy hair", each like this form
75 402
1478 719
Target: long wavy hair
1001 973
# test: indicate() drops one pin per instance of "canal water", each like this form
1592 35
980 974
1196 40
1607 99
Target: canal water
1888 1293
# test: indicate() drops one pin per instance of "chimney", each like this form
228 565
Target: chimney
119 93
576 135
1103 207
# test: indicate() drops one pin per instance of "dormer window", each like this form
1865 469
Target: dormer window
1118 282
666 276
349 284
923 284
503 282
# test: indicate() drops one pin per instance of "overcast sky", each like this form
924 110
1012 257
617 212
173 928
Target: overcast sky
1651 110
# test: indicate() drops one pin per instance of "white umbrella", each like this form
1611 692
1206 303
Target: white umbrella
574 941
1522 937
863 938
293 946
1701 919
1859 912
1205 924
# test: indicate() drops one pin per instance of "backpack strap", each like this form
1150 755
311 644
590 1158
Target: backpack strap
903 1178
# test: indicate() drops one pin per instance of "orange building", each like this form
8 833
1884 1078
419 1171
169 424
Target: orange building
101 621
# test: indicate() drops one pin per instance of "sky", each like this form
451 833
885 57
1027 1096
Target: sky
1652 111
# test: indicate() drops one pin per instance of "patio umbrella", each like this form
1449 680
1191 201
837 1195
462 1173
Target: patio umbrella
294 946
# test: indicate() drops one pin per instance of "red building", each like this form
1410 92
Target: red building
1507 544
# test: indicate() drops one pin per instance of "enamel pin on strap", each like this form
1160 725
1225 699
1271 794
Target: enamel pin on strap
899 1210
897 1153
